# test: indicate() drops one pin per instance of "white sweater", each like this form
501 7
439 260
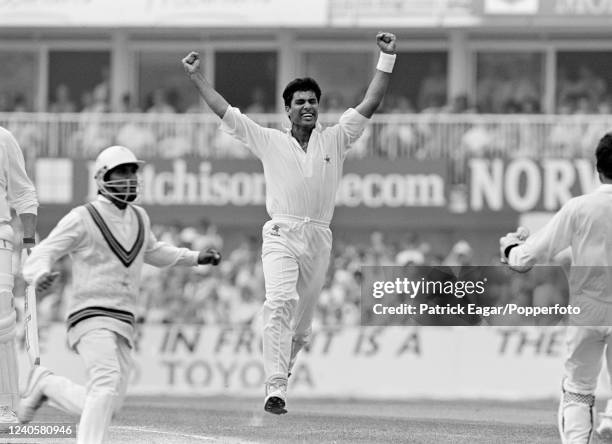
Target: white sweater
106 281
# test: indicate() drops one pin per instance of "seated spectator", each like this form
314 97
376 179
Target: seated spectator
460 104
258 102
530 105
477 141
25 130
138 136
410 257
461 254
581 82
433 87
159 103
127 105
564 136
62 103
102 90
20 104
399 138
332 102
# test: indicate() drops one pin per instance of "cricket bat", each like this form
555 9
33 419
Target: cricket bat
31 326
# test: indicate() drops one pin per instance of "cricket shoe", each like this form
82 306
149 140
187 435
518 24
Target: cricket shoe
276 393
7 416
33 397
604 430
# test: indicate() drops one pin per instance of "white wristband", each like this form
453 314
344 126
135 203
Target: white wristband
386 62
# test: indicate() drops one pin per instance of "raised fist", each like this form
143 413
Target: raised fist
191 63
386 42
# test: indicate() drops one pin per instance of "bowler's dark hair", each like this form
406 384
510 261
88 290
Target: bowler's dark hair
603 155
301 84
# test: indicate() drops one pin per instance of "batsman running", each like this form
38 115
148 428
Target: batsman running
17 192
583 224
302 169
108 240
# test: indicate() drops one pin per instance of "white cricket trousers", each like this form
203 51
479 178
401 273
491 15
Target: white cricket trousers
108 361
295 256
584 357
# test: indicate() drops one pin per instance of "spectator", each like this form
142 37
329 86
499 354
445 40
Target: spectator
461 254
258 104
127 105
399 138
62 103
138 136
101 91
433 87
160 103
332 102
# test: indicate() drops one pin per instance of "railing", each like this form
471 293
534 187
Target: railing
421 136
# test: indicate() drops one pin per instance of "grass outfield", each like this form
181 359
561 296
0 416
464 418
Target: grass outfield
234 420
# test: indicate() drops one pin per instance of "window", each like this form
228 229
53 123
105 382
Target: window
162 84
247 80
342 77
419 82
509 82
18 84
583 82
83 77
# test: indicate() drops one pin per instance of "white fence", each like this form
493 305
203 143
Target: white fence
452 136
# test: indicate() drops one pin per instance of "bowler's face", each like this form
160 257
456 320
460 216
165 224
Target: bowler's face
304 109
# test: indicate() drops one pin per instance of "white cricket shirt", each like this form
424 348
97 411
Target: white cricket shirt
16 189
584 223
298 183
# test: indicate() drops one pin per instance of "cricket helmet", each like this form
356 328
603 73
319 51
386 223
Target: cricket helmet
122 190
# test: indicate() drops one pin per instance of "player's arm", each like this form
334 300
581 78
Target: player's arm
236 124
216 102
161 254
67 236
378 86
20 190
543 246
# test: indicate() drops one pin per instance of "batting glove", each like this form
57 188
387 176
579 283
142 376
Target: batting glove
508 242
210 256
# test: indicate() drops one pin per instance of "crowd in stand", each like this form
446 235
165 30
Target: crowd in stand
421 127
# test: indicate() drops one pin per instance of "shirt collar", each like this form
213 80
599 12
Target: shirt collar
605 188
318 127
111 206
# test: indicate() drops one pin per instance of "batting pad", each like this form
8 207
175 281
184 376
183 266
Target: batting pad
9 377
576 417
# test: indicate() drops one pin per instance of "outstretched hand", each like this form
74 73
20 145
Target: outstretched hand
386 42
191 62
512 240
210 256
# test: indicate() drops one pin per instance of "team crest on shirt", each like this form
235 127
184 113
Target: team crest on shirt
275 230
327 159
